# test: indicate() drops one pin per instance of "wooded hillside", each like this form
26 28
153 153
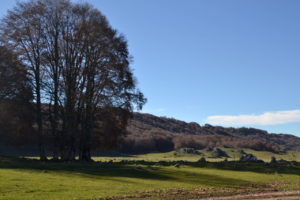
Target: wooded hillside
151 133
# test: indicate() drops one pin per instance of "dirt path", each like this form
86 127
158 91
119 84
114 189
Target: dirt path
282 195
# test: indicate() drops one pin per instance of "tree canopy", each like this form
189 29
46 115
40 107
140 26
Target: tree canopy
79 66
15 99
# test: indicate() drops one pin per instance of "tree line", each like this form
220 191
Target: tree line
72 69
157 140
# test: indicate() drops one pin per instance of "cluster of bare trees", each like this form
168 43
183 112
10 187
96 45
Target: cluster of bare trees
79 72
164 141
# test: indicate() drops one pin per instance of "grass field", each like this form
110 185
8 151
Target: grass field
233 153
22 179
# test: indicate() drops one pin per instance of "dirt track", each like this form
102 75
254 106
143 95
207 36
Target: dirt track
282 195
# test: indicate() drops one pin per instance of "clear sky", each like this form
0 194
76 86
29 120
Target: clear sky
224 62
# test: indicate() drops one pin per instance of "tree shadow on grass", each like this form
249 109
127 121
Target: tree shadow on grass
117 171
82 169
111 154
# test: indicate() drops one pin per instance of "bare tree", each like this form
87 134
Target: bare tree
22 32
78 63
53 26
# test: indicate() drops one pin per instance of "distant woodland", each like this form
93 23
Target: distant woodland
148 133
151 133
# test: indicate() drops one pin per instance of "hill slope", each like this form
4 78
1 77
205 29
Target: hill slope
151 133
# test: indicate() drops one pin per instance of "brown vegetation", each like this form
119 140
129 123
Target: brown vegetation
151 133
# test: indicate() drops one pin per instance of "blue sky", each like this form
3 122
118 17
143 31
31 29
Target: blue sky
231 63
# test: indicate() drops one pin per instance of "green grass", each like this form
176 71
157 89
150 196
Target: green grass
31 179
234 154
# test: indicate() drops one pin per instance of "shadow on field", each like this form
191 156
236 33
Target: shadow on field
148 170
110 154
114 170
95 170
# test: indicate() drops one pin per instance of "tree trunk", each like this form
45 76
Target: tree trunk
40 119
55 119
85 140
70 131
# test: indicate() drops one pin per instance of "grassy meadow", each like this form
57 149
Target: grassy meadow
151 176
233 153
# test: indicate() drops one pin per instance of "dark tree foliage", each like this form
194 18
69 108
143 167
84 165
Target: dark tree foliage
14 82
15 100
80 68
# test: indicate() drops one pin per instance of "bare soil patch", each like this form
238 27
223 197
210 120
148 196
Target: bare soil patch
280 195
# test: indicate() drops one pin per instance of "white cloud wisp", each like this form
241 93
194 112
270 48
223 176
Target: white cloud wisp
267 118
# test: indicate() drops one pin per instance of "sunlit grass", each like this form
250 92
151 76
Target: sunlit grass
32 180
233 153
